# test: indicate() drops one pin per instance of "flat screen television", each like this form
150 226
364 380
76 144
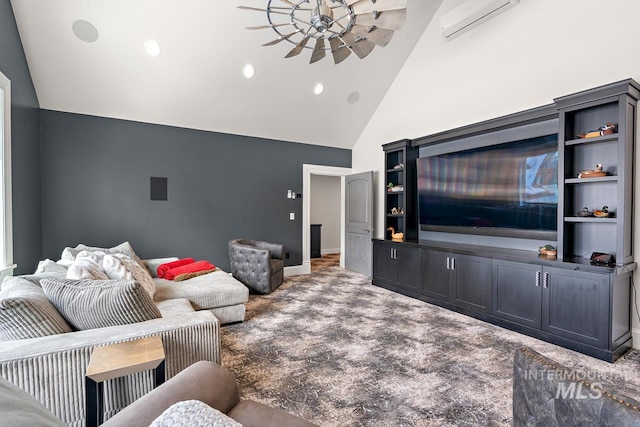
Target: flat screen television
507 190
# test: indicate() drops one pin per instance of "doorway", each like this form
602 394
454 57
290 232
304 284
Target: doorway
307 172
325 221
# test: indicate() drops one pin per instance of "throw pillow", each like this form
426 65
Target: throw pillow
140 274
51 268
25 312
46 269
91 304
70 254
193 413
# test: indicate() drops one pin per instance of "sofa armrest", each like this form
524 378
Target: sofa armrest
152 264
203 381
52 368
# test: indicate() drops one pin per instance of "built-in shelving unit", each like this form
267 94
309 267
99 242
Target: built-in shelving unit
400 158
579 237
564 300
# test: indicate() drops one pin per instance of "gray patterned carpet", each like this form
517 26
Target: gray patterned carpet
334 349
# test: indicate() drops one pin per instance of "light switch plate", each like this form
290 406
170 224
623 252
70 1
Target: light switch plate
292 216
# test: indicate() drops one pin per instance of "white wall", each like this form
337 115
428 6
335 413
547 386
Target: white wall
325 210
521 59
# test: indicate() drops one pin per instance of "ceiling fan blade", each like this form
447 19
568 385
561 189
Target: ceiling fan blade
390 20
299 47
368 6
279 39
379 36
262 10
288 2
262 27
318 51
361 47
339 50
350 2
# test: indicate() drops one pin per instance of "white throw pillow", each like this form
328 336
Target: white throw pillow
193 413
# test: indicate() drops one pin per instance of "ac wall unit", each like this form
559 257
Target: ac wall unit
471 13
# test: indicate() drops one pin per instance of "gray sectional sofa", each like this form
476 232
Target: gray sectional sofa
49 363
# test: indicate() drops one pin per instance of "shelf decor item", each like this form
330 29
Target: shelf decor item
606 129
593 173
548 251
585 212
396 237
602 213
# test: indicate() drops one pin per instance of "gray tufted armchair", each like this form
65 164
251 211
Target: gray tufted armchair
257 264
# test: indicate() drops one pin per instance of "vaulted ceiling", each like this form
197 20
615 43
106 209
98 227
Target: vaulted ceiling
197 80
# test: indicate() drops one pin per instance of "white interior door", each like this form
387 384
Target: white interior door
359 222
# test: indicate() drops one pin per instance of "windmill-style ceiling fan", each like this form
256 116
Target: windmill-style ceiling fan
347 25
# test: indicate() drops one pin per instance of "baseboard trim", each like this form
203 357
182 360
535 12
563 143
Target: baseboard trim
297 270
636 342
330 251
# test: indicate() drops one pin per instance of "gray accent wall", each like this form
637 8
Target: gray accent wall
25 145
96 187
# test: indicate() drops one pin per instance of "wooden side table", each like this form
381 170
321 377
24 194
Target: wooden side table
117 360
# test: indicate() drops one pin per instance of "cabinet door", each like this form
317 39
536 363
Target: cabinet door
408 267
471 285
436 278
575 305
384 266
516 292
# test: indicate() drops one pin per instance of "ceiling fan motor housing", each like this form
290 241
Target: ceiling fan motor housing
322 17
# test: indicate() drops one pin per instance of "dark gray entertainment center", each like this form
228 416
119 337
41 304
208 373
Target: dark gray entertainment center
565 300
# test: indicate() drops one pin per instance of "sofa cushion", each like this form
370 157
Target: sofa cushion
175 307
25 312
217 289
193 413
90 304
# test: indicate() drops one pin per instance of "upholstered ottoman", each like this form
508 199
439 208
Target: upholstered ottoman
217 292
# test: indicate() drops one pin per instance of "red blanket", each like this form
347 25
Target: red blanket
163 268
194 267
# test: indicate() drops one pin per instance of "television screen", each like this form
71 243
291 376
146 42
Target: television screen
508 189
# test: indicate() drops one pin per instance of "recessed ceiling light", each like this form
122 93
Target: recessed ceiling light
85 30
152 47
318 89
353 97
248 71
